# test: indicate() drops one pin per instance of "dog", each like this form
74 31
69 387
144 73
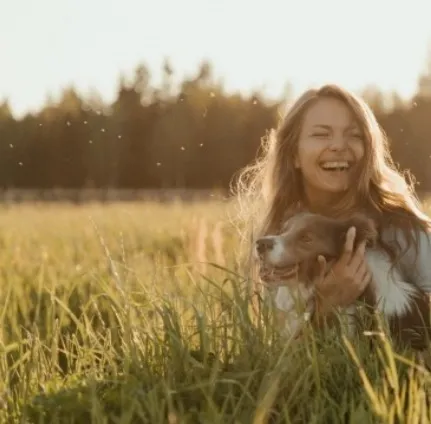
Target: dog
293 256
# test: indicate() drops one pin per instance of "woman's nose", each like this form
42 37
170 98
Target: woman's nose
338 142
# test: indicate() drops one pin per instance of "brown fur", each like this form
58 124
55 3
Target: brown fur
306 236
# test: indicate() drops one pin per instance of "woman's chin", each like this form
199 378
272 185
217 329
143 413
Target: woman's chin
334 186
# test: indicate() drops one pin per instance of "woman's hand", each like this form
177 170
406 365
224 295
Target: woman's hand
346 280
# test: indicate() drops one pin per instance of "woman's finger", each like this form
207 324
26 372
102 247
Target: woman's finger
365 281
322 268
362 271
358 258
368 277
346 256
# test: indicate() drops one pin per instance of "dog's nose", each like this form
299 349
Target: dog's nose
264 244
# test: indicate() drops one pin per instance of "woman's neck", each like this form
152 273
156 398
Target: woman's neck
339 206
318 201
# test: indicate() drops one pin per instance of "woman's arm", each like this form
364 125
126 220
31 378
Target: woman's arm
414 262
322 315
423 262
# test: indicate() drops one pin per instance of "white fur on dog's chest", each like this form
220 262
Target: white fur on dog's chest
393 295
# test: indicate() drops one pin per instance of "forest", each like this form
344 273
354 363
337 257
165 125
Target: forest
192 135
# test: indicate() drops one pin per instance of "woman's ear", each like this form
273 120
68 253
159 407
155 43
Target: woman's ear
296 162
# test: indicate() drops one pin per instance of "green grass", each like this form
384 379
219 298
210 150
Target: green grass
115 314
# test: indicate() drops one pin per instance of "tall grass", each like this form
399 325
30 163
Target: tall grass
137 314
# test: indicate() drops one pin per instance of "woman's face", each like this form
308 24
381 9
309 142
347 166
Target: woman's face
330 148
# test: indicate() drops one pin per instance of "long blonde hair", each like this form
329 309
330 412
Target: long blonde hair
269 190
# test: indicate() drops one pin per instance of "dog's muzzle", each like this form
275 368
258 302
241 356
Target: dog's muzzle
264 244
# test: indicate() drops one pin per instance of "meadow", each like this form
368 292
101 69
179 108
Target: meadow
138 313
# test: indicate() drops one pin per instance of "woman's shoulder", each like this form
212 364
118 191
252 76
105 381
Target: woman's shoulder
396 234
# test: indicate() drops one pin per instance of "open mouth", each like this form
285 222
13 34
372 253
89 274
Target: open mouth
336 166
280 273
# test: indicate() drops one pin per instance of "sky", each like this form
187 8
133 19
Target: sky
46 45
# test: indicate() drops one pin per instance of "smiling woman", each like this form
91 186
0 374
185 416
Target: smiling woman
329 156
330 147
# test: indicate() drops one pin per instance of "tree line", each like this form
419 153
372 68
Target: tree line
194 135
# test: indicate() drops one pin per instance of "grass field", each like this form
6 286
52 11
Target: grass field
117 314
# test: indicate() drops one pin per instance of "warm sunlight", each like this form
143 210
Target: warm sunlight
176 249
253 45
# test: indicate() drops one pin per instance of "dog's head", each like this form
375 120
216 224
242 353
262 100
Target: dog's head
305 236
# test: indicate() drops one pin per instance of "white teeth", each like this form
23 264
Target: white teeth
335 165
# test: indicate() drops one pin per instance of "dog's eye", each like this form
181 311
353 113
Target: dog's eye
306 238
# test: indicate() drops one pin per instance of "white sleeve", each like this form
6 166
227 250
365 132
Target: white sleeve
296 305
423 262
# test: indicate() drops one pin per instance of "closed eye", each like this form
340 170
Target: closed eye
355 133
320 134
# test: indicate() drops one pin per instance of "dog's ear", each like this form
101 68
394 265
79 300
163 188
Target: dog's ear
366 229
